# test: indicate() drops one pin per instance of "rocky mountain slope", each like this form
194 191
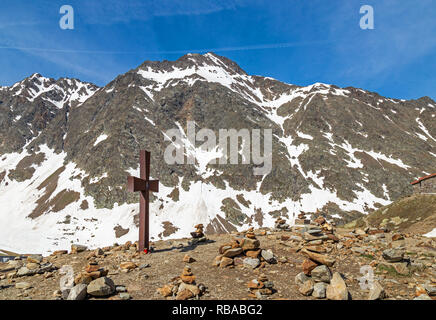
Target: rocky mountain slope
415 214
66 148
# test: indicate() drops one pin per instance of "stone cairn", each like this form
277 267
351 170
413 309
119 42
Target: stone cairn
91 272
317 280
244 251
260 288
281 225
92 281
183 287
301 219
198 235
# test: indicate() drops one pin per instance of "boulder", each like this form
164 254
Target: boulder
216 261
78 292
23 285
397 237
337 289
306 288
321 274
320 258
101 287
393 255
24 271
251 262
191 287
225 261
124 296
120 289
319 290
377 292
253 253
16 264
269 257
128 265
250 244
184 295
230 253
308 265
83 278
225 247
166 290
46 267
431 289
76 248
301 278
65 293
35 258
32 266
190 279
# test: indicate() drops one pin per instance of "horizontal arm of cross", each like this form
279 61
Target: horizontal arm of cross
136 184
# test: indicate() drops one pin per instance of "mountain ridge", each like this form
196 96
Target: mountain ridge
344 151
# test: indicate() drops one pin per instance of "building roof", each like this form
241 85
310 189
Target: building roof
424 178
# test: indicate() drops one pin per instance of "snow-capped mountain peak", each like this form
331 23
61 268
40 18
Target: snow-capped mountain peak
66 148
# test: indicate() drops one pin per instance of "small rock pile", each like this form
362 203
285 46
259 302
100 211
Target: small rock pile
244 251
280 224
260 288
91 272
92 281
183 287
321 284
127 247
32 265
198 235
317 280
301 219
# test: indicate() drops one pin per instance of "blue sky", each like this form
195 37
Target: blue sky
295 41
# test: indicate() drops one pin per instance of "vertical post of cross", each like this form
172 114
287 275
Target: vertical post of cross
144 185
144 167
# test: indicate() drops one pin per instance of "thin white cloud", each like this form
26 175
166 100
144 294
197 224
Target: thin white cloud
192 50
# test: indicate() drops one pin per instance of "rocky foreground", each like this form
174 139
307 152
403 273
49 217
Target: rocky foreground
312 260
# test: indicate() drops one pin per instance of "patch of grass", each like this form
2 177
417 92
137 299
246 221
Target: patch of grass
390 271
401 213
411 253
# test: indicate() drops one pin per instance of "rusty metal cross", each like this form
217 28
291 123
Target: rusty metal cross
143 185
